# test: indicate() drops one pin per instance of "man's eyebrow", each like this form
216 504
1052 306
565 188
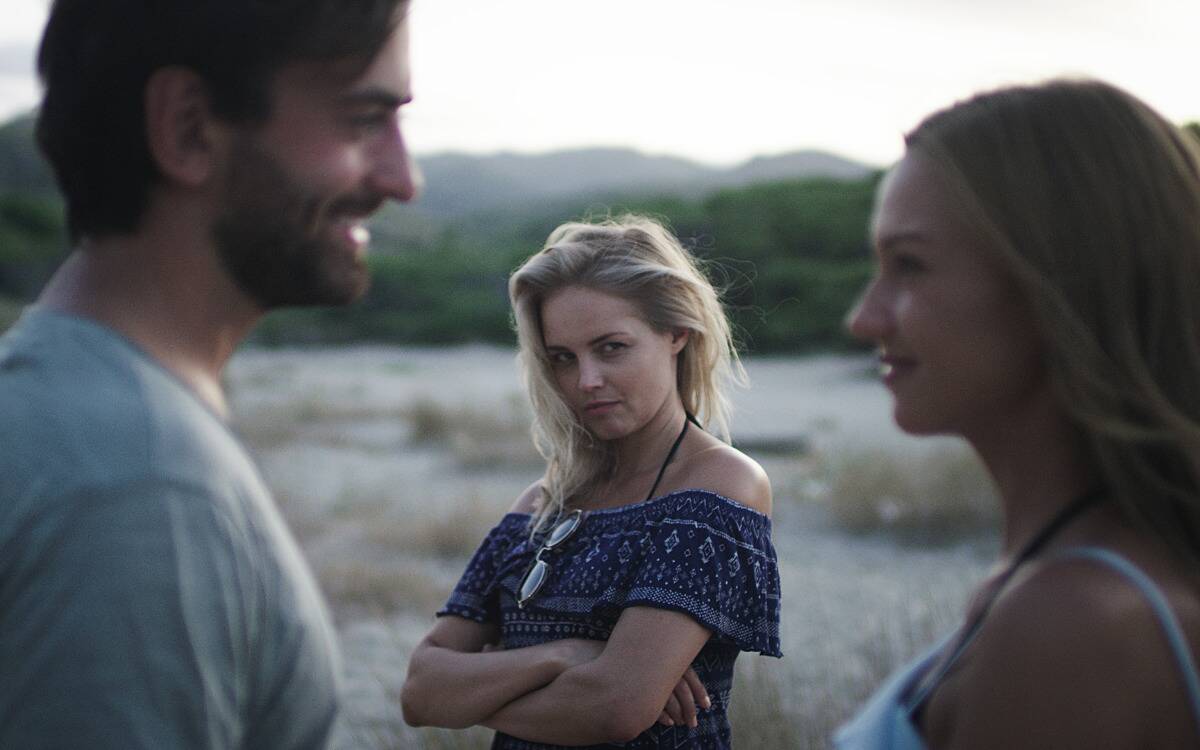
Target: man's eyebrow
376 96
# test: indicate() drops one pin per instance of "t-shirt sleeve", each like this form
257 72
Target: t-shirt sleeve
125 616
477 594
713 561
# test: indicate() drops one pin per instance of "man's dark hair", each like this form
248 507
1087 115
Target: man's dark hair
97 56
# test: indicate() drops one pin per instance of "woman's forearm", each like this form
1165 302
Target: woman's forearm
581 706
453 689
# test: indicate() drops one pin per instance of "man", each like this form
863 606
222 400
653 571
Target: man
218 159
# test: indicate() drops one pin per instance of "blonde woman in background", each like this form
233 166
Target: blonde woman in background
1036 293
608 606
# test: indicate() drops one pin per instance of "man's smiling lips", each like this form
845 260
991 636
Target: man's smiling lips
349 217
352 232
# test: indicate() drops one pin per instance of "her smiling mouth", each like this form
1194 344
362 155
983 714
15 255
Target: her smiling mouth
891 366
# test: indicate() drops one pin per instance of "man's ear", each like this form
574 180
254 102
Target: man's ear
679 339
181 131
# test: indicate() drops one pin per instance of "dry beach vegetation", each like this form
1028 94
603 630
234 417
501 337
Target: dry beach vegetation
391 464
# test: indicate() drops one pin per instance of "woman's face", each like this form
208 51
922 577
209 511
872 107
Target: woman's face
613 369
958 347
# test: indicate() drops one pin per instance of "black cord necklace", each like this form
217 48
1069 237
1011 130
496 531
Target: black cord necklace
688 419
1056 524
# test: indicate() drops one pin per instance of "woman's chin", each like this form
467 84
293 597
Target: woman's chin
917 424
603 428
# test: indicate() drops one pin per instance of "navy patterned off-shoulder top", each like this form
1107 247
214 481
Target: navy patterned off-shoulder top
690 551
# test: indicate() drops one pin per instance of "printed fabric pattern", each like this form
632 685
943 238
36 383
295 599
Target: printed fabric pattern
691 551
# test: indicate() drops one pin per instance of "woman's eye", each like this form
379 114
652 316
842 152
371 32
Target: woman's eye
908 264
611 347
560 358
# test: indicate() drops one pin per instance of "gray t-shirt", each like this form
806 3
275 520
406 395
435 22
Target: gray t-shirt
150 594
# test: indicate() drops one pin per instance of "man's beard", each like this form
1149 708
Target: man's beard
273 236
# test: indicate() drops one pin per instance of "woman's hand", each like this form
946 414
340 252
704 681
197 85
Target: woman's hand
680 710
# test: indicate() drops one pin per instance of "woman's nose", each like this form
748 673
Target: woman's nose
869 319
590 375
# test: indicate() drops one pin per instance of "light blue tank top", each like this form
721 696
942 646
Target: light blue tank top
885 722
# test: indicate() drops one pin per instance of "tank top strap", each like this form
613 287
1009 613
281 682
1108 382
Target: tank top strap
921 691
1162 611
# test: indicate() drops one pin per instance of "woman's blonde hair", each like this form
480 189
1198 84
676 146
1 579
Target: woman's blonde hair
1092 200
637 259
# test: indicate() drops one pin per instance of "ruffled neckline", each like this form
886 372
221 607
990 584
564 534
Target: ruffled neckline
662 499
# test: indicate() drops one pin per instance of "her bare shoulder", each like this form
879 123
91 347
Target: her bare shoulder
527 501
1075 652
728 472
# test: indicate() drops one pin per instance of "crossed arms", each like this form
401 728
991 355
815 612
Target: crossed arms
567 692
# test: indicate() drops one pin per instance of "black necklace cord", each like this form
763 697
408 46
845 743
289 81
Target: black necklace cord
1065 516
1054 525
670 454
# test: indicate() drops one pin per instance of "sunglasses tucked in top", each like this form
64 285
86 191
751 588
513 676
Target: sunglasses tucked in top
539 572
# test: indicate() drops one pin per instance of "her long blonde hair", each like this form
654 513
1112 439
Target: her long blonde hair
1093 201
637 259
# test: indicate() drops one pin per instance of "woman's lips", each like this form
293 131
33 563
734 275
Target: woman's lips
599 407
893 368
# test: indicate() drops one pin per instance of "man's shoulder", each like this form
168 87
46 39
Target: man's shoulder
81 407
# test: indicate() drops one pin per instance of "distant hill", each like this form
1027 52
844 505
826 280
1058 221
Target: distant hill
461 184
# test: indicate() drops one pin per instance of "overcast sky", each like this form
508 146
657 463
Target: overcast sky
723 81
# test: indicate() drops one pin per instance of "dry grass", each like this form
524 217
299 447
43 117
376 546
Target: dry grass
356 589
389 569
934 496
762 713
826 676
313 419
478 438
430 422
450 535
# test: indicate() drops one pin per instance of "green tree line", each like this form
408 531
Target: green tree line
790 256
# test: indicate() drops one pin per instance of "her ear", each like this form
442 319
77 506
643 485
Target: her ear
180 126
679 339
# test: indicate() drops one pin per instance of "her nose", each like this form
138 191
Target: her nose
590 376
870 318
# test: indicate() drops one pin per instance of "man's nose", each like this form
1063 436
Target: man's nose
396 174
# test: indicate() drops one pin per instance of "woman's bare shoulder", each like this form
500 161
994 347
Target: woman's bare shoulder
723 469
1072 650
529 500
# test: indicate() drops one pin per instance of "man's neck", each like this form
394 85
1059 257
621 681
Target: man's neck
169 297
